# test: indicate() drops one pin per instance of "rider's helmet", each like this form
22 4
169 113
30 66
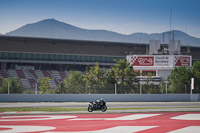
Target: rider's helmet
102 99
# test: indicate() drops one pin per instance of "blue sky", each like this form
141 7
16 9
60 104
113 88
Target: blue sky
122 16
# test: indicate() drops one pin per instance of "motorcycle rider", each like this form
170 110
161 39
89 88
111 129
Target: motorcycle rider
102 100
97 105
98 102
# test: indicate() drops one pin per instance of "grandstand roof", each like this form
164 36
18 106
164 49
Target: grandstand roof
74 50
47 45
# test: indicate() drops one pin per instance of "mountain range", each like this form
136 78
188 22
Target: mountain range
51 28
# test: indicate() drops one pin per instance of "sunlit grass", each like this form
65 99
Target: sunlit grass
47 109
61 109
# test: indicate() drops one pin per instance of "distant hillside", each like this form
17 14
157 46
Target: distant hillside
51 28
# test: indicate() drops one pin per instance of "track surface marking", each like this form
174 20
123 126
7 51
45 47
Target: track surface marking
173 122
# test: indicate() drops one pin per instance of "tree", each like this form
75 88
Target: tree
44 85
60 88
179 80
149 87
74 83
162 87
95 79
196 74
110 81
124 76
14 84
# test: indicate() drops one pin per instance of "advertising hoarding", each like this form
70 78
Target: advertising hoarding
160 60
163 60
182 60
142 60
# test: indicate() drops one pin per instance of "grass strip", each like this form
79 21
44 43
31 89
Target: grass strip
47 109
61 109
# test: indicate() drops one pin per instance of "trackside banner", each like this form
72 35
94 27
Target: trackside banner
163 60
142 60
182 60
159 60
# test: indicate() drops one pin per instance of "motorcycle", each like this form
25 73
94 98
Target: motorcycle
93 106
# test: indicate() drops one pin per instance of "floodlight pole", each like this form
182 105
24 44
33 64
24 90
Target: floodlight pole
115 88
140 88
8 88
35 88
192 84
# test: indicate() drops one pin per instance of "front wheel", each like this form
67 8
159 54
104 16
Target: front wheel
90 109
103 108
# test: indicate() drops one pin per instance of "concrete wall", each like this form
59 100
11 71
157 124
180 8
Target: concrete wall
164 74
92 97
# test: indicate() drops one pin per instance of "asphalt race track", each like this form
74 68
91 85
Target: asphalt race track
110 104
163 118
140 106
163 122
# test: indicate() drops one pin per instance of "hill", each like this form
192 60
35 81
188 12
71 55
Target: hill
51 28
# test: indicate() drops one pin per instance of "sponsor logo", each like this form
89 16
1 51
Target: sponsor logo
142 60
162 60
182 61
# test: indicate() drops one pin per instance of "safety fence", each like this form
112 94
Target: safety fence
92 97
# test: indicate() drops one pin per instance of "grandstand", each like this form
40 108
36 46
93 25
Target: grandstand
31 58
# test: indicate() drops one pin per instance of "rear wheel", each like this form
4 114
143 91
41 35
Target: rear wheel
103 108
90 109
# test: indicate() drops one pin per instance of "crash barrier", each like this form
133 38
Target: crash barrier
92 97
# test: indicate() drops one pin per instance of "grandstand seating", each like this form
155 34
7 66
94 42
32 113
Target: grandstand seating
12 73
62 74
25 83
28 74
1 81
39 74
3 74
20 74
46 74
28 78
33 73
56 74
32 82
52 83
